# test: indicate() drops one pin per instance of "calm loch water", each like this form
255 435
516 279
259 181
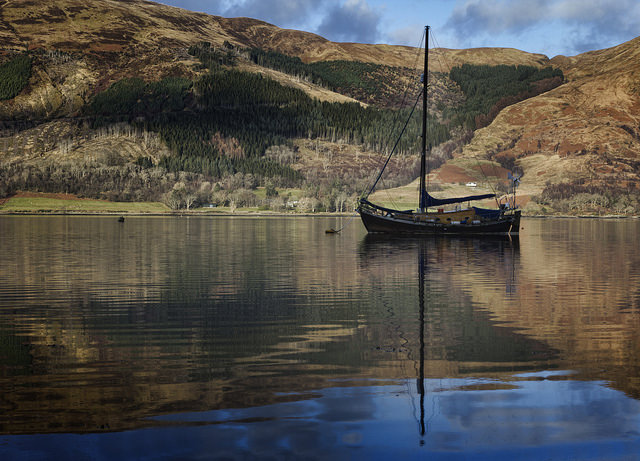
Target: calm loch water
245 338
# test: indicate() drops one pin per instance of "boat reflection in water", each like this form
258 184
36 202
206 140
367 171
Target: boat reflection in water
484 388
429 254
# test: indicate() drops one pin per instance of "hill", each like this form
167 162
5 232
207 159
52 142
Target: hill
575 143
579 144
112 25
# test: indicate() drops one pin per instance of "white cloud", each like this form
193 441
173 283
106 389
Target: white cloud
408 35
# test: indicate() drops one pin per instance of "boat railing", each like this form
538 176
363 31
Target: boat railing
382 211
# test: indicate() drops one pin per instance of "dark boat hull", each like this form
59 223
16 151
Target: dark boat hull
507 224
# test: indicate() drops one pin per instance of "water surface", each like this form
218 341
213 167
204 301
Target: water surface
242 338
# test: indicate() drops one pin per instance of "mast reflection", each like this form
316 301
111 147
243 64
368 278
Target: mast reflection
420 383
433 253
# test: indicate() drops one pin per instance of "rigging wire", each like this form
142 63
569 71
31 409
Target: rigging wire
440 56
415 66
395 145
493 189
397 118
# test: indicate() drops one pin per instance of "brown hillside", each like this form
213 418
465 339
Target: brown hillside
112 25
103 41
107 40
586 131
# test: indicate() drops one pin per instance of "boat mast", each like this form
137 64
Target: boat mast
423 156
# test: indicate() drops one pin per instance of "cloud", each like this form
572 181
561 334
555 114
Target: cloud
597 24
586 24
298 14
283 13
337 20
210 6
351 21
407 35
497 16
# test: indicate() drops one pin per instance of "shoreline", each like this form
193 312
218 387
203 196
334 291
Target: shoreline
262 214
259 214
63 204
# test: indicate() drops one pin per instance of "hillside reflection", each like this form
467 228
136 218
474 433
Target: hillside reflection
106 327
458 335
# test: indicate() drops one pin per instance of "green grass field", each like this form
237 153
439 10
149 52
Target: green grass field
45 204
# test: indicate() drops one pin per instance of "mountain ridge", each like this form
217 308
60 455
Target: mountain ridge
72 25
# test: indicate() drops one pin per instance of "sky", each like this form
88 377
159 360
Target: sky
550 27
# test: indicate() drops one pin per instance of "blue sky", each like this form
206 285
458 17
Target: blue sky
550 27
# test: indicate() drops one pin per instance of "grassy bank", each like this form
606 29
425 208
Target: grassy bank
35 203
46 204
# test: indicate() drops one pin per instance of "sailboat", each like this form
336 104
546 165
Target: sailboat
431 217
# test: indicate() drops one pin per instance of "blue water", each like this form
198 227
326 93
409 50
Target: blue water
265 338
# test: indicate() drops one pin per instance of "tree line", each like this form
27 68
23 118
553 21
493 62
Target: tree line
14 76
581 197
364 81
133 96
489 89
212 57
89 179
256 111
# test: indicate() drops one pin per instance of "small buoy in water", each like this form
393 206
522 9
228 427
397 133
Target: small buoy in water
121 219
